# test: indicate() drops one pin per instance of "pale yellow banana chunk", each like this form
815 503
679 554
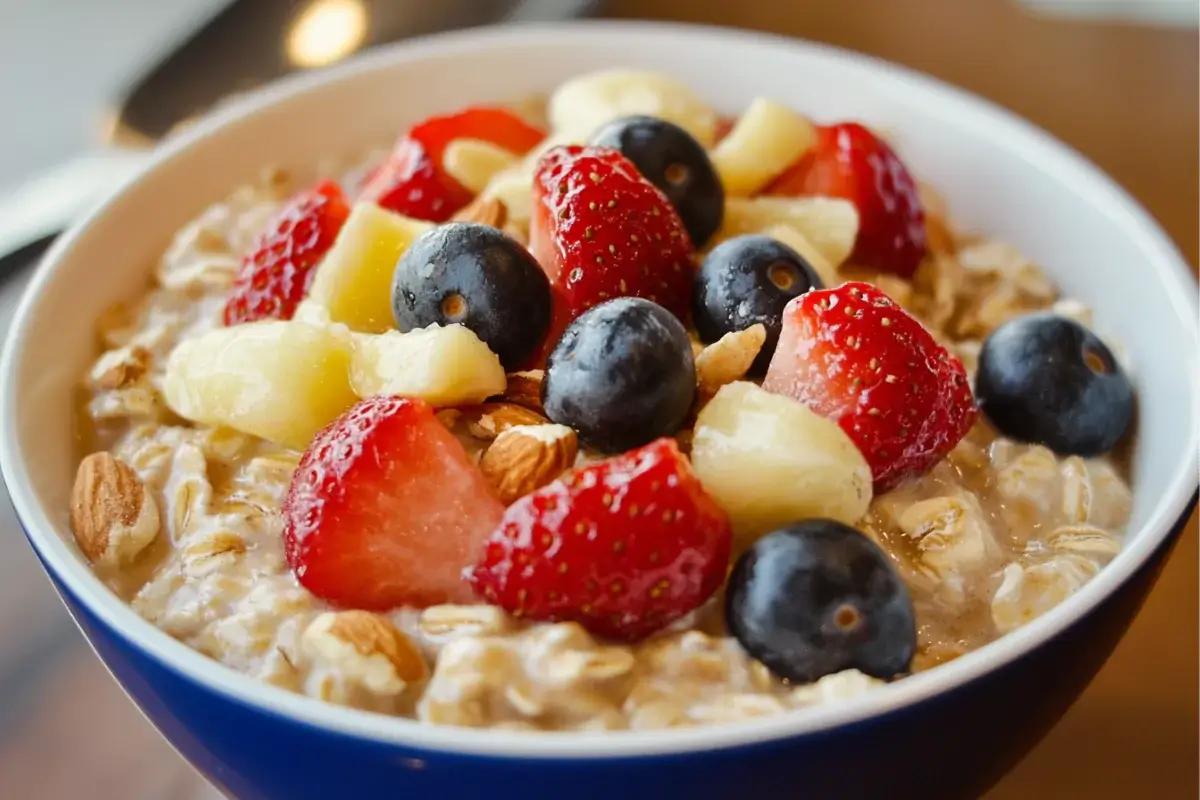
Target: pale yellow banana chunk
354 281
584 103
765 141
445 366
282 381
473 162
830 224
769 460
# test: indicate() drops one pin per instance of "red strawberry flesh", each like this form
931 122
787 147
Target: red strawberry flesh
850 162
386 509
412 181
600 230
624 546
276 273
854 356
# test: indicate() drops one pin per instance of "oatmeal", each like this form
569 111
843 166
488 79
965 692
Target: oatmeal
419 469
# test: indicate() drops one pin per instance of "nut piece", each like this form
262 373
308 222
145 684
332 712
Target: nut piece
526 458
485 211
729 358
119 368
489 420
367 648
113 515
525 389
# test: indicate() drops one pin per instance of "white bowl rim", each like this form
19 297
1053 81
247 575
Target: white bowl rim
1052 156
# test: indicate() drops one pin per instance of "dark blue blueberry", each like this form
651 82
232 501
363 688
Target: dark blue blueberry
476 276
622 375
1047 379
818 597
672 160
747 280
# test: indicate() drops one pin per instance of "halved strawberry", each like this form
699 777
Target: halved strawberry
850 162
853 355
600 230
624 546
386 509
412 181
276 273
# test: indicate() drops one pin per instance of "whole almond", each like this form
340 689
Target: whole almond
525 389
489 420
485 211
113 515
524 459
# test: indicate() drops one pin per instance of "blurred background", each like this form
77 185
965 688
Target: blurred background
1117 79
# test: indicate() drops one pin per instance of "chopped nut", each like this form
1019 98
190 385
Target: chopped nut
729 358
489 420
367 648
525 389
484 210
526 458
119 368
113 515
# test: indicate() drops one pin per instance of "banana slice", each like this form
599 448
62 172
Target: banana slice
584 103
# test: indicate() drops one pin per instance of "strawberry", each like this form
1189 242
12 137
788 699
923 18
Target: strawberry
623 546
412 182
600 230
850 162
277 271
853 355
386 509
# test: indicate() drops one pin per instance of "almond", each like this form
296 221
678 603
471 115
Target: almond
729 358
119 368
356 644
525 389
489 420
113 516
485 211
526 458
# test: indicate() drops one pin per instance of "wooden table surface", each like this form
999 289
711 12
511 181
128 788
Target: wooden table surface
1124 96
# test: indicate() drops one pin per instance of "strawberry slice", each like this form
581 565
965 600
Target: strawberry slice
498 126
276 273
600 230
850 162
853 355
386 509
623 546
412 181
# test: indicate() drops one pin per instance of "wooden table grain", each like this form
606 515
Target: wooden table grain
1124 96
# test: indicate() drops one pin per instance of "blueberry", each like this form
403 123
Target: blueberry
747 280
622 375
672 160
817 597
1047 379
476 276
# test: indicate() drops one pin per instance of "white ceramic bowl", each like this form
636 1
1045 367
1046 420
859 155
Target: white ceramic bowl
964 722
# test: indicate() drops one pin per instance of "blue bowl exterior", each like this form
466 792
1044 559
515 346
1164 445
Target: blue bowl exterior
978 732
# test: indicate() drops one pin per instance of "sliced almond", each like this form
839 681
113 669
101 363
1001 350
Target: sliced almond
484 210
525 389
113 515
729 358
526 458
489 420
119 368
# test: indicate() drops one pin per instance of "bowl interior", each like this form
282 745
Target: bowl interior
1000 176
